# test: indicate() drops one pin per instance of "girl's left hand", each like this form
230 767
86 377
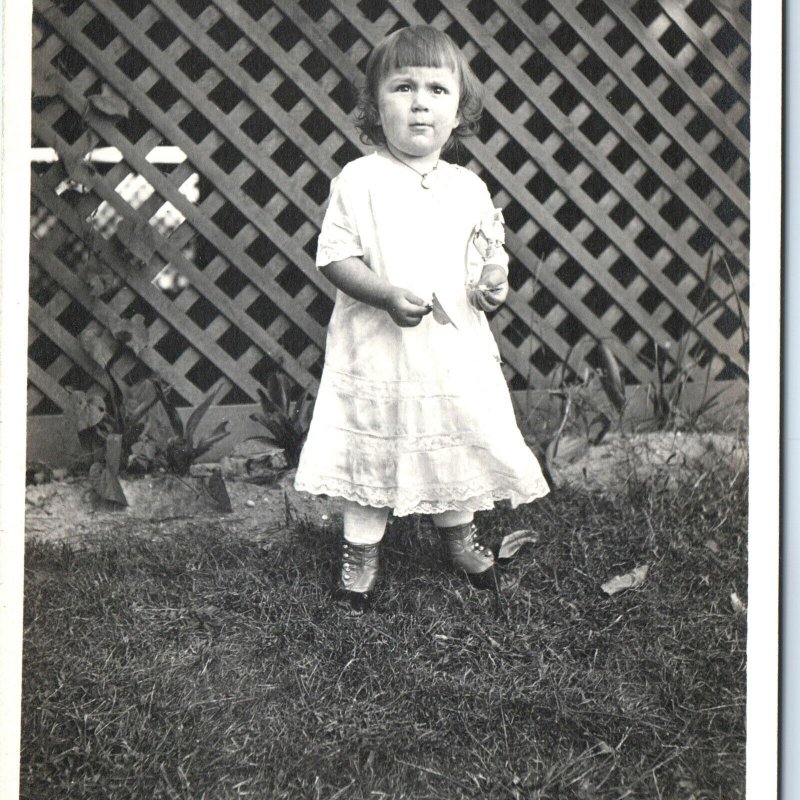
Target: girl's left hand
492 288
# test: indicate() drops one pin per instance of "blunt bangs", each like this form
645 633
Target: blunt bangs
417 46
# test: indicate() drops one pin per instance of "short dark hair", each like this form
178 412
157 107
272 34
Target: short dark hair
417 46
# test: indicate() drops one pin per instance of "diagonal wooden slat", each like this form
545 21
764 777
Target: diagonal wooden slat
624 129
161 303
729 9
168 191
705 46
626 273
499 171
636 27
653 104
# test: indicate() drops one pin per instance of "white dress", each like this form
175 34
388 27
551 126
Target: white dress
415 419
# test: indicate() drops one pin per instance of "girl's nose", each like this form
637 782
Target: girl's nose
420 102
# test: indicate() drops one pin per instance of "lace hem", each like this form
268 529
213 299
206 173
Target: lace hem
404 502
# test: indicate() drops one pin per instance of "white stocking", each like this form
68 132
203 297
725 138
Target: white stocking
449 519
364 524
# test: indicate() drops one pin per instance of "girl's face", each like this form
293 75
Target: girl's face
418 107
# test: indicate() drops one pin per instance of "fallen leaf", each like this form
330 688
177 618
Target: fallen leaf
439 314
630 580
106 484
514 541
736 603
214 488
565 451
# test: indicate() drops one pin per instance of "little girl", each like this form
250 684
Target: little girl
413 414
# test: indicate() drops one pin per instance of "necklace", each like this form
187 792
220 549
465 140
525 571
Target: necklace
424 175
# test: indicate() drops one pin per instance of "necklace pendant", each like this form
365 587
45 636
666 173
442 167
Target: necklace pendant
424 182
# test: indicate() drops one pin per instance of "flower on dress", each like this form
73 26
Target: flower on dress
488 235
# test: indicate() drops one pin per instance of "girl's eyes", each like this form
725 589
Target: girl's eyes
405 87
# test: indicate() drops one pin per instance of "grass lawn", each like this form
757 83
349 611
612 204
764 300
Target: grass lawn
203 665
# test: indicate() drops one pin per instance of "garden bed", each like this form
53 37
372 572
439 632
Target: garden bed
264 506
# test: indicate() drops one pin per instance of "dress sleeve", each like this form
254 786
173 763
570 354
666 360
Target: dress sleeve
488 235
339 236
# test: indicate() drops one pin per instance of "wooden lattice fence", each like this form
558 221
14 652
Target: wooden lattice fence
615 139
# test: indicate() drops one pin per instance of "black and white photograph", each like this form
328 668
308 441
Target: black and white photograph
388 419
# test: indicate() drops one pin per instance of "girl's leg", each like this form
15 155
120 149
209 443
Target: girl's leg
449 519
364 524
363 530
459 536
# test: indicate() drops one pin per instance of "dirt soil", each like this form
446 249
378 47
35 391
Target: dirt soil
68 510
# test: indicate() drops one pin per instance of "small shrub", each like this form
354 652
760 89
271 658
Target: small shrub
286 420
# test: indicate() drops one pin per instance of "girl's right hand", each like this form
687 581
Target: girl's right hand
404 307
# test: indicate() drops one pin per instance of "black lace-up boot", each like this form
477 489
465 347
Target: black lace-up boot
359 572
468 554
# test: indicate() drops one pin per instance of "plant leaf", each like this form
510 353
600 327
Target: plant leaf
81 176
131 332
117 396
113 453
630 580
139 239
306 413
569 449
98 343
611 378
106 484
221 429
514 541
144 453
144 396
45 79
170 410
267 406
598 428
88 410
206 444
214 488
197 415
278 391
439 314
109 103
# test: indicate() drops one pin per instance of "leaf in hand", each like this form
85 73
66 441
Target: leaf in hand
439 314
514 541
